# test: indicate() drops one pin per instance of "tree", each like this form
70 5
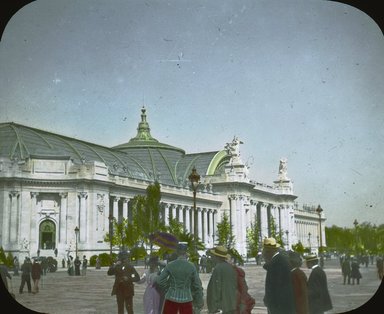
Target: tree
253 238
226 238
176 228
274 233
224 233
145 220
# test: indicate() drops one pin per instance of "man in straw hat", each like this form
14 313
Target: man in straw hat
279 297
222 286
181 284
319 299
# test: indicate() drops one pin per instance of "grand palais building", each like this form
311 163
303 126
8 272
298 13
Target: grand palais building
51 184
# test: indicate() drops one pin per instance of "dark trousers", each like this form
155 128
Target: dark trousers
123 298
171 307
25 279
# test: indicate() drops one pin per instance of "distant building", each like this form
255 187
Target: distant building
50 184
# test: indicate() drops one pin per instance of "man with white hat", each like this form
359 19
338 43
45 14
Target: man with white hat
222 286
279 296
319 300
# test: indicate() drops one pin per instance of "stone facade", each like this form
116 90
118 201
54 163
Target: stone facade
43 198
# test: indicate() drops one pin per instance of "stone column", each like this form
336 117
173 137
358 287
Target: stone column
34 231
205 225
14 216
188 219
199 224
6 218
233 213
83 216
116 207
180 211
62 217
166 214
125 208
174 209
264 221
214 213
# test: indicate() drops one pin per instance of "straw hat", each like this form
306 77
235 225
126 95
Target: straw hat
270 243
220 251
311 258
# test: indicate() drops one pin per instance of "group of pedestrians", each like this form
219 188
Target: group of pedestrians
287 289
30 271
74 266
350 270
177 288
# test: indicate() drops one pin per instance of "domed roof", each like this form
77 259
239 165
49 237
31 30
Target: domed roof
144 139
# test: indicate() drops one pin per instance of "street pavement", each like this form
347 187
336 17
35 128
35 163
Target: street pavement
91 294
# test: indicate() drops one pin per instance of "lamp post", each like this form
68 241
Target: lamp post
355 223
319 210
194 178
309 241
77 230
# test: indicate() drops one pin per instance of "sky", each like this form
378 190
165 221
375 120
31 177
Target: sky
301 80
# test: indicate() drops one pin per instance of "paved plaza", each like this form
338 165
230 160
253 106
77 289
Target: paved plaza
60 293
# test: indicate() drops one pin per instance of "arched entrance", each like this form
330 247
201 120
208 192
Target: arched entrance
47 235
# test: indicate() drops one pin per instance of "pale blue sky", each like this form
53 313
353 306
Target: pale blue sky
296 79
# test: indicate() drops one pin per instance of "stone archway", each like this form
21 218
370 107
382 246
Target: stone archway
47 235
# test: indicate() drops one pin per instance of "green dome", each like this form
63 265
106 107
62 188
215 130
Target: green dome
144 139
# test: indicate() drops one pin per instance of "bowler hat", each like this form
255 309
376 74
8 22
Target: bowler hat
270 243
220 251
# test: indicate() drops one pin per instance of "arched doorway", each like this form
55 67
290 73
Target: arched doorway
47 235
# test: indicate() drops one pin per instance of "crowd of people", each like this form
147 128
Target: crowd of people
175 287
74 265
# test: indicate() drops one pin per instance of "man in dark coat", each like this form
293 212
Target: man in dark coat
222 286
346 270
299 281
36 274
77 264
279 296
26 270
318 295
125 276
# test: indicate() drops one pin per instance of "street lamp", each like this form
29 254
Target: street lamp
77 231
355 223
194 178
319 210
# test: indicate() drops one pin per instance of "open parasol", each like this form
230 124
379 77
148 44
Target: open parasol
164 239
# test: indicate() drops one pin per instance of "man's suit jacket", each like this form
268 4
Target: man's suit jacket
125 275
279 297
318 294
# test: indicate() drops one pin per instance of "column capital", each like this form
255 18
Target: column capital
82 194
14 193
232 196
62 194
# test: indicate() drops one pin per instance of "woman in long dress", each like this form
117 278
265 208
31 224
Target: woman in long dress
151 299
